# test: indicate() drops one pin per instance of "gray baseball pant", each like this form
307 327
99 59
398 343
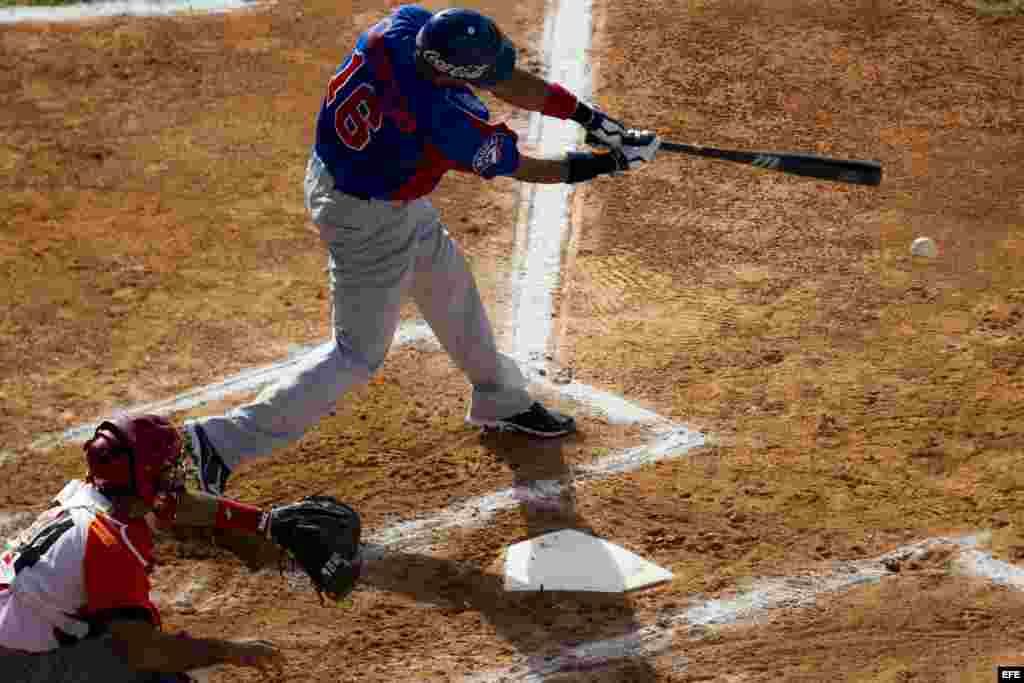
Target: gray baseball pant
90 661
379 252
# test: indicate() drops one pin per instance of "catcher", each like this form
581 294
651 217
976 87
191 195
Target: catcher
74 587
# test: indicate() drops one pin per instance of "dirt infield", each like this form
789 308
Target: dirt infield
854 400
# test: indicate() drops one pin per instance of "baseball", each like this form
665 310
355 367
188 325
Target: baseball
924 246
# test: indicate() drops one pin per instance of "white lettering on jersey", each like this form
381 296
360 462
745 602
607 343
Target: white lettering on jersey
467 72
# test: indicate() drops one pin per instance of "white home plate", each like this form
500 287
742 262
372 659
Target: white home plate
570 560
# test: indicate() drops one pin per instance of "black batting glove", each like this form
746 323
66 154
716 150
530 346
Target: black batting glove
640 147
584 166
607 131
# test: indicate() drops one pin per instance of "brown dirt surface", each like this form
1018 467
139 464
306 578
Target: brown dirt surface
855 398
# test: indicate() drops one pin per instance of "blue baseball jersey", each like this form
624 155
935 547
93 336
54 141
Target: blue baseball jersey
385 132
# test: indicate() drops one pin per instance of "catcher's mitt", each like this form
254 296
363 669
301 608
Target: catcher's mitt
322 537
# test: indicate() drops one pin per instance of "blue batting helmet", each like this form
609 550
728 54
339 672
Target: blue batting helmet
464 44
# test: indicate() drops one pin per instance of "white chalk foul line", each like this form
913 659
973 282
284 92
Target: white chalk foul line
767 595
544 220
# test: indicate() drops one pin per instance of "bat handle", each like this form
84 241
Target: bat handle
630 138
594 141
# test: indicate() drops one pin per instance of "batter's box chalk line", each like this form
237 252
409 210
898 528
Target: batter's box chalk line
418 534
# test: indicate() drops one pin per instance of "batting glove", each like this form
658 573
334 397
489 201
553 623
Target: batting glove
638 147
606 131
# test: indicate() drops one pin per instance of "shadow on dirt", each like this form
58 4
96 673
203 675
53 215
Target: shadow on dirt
549 628
556 632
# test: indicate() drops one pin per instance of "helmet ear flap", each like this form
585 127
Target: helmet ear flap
110 460
135 456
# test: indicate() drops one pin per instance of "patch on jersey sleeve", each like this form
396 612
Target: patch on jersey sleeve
488 156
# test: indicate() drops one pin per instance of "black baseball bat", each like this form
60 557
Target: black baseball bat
853 171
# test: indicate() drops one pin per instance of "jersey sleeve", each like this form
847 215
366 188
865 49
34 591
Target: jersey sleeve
412 15
463 132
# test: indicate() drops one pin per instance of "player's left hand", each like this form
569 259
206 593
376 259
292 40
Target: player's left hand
604 130
322 535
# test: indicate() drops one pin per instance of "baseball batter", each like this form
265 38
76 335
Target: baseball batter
398 114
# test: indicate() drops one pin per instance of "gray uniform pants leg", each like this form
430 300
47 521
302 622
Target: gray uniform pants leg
379 252
91 661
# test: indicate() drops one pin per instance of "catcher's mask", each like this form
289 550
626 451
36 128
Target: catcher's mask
466 45
138 456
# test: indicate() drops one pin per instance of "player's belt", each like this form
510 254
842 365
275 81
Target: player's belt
370 198
358 195
322 168
394 202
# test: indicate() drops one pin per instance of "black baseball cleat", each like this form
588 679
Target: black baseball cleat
210 471
537 421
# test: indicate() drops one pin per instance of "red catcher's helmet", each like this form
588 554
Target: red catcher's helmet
135 456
